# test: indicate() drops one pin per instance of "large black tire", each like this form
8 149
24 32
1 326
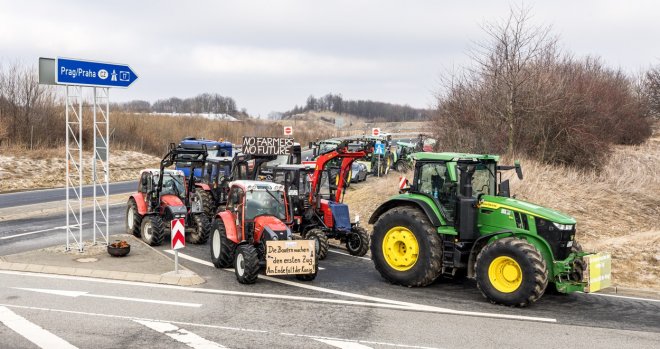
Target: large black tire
133 218
201 229
401 166
153 230
428 265
222 249
246 264
533 272
321 242
357 241
205 201
309 277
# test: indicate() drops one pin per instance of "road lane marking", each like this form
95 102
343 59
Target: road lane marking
32 332
624 297
342 344
182 323
76 294
347 254
40 231
409 306
180 335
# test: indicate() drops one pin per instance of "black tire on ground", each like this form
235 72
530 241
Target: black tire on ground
357 241
222 249
321 242
246 264
153 230
533 268
133 218
400 166
428 266
205 202
201 229
309 277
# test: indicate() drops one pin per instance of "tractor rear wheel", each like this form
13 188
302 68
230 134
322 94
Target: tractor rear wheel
357 241
405 247
153 230
201 229
204 202
246 264
320 241
511 271
133 218
222 249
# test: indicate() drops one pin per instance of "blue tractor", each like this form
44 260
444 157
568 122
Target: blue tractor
212 179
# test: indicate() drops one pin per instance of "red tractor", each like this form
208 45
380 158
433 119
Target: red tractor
326 215
164 195
256 213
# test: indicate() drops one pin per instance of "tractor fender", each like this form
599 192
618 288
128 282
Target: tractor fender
141 204
230 225
535 240
203 186
404 201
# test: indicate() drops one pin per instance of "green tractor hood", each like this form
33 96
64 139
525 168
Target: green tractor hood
497 202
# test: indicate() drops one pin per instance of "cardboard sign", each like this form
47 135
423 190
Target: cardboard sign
178 233
288 130
598 273
287 257
267 145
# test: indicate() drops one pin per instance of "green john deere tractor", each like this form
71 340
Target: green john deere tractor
456 217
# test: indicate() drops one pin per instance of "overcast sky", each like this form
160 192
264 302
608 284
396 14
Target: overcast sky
271 55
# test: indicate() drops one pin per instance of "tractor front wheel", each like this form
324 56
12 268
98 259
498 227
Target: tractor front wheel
201 228
405 247
320 241
222 249
511 271
153 230
133 218
357 241
246 264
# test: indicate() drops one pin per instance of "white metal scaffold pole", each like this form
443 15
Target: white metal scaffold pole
74 166
101 155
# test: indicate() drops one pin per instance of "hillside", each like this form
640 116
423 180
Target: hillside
616 205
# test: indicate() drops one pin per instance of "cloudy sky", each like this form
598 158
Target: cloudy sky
270 55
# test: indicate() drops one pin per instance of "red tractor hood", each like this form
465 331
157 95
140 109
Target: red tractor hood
170 200
261 222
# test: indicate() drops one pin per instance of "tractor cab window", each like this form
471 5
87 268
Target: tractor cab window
434 181
483 180
263 202
172 185
324 185
235 199
145 182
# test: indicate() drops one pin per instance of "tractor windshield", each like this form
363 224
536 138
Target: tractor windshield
172 185
483 181
262 202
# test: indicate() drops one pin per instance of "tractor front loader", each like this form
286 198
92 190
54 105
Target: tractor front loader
164 195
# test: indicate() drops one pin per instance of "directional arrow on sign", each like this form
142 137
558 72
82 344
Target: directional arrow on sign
75 294
82 72
178 231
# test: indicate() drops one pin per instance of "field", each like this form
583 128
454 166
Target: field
616 205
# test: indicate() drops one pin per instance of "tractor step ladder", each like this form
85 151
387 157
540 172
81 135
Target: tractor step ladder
448 250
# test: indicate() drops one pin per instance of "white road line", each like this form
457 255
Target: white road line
180 335
39 231
75 294
238 329
624 297
405 305
342 344
201 261
32 332
348 254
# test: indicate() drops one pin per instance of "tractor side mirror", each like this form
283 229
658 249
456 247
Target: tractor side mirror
503 189
518 169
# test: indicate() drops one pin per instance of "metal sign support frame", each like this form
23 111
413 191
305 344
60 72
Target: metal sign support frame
101 156
74 167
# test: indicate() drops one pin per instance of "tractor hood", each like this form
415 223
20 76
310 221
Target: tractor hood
497 202
170 200
269 221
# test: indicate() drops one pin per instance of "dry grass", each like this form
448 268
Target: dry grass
25 169
616 205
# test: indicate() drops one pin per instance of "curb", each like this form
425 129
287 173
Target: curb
185 279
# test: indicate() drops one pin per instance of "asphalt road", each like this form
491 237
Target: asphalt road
58 194
347 302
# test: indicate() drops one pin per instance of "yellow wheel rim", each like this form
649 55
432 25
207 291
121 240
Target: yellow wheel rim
400 248
505 274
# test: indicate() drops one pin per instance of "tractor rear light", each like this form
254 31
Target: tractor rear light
563 226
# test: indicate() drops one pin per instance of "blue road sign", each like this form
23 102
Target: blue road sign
89 73
379 149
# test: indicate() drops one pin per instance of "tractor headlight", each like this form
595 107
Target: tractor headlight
563 226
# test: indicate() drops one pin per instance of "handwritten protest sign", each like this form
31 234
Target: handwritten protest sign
285 257
267 145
